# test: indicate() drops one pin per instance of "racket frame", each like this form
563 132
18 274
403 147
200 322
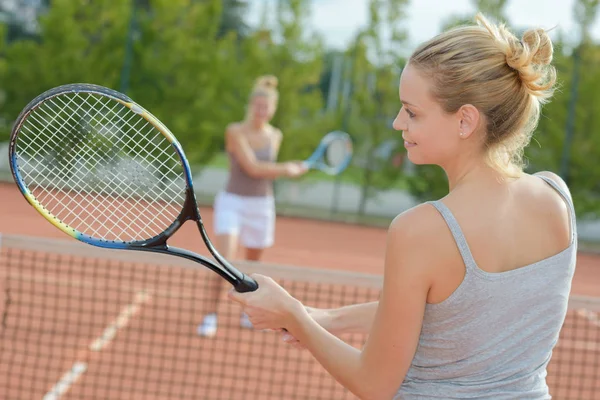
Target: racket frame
157 244
315 161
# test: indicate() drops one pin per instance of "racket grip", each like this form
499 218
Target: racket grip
246 284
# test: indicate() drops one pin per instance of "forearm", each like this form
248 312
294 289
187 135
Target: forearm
267 170
355 318
341 360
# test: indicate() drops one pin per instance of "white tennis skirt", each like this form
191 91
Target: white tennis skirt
251 218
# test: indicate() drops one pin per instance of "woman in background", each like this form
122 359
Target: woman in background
245 210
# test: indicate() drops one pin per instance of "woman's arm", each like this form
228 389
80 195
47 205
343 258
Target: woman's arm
378 370
355 318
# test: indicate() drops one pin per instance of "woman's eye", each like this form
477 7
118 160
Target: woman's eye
410 113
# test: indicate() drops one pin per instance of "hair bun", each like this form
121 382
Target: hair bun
530 57
267 81
534 49
538 42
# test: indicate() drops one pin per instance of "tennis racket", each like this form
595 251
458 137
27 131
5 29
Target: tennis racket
333 154
106 172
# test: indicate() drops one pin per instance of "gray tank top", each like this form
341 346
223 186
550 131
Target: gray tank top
493 337
242 184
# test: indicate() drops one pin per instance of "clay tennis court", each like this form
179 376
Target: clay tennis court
155 351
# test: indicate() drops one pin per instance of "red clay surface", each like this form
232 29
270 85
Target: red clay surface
160 338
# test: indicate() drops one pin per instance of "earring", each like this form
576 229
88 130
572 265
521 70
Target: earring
461 133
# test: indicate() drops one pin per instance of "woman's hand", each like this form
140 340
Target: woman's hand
321 316
270 307
294 169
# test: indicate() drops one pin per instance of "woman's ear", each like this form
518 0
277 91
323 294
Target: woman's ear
468 120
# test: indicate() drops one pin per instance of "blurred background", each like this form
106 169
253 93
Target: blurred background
192 64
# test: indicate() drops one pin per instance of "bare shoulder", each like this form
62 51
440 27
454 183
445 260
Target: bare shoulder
557 179
553 203
234 136
417 222
276 132
234 133
545 202
416 231
233 128
411 237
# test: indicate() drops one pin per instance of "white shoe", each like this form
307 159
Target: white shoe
245 322
208 327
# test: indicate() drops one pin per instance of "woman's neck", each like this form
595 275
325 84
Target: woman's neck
257 125
472 170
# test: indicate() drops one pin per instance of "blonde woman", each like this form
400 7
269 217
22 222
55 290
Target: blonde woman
476 284
245 210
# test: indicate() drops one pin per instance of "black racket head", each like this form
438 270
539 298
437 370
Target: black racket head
100 167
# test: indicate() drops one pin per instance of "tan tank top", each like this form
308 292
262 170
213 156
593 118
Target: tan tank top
242 184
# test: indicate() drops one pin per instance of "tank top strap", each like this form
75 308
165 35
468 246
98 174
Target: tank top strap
457 234
567 199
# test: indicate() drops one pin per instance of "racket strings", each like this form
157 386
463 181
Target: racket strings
79 183
337 152
136 143
121 190
95 164
43 200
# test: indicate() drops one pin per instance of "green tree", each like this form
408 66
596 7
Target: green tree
75 44
567 143
233 18
495 9
333 64
183 74
584 172
284 48
375 77
179 68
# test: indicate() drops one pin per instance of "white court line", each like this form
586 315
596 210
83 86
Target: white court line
68 379
80 366
121 321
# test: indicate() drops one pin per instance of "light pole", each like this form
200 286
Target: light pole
570 125
128 58
346 117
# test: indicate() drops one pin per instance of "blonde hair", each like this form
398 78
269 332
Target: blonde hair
505 78
265 85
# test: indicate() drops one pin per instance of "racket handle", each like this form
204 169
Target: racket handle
246 284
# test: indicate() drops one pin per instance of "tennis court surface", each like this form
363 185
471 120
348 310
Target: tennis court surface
86 323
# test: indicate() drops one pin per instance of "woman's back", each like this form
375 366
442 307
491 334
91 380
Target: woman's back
496 309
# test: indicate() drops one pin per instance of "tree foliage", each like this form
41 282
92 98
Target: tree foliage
192 63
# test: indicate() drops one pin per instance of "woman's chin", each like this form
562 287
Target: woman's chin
261 119
414 157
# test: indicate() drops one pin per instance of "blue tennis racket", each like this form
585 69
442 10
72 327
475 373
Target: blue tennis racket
333 154
106 172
